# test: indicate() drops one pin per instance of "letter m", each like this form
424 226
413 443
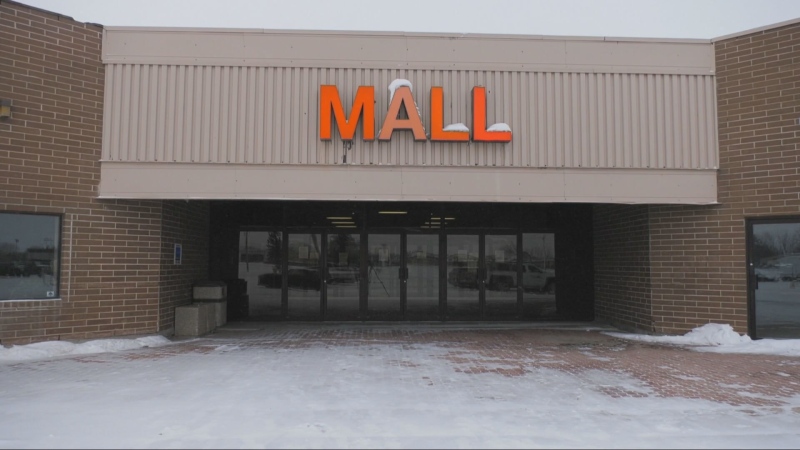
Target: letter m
364 103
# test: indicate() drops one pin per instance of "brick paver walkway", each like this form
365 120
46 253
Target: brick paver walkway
509 351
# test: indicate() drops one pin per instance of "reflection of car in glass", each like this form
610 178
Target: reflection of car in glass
298 277
463 277
342 275
501 277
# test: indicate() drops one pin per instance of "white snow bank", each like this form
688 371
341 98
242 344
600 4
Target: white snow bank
456 127
396 84
499 127
51 349
720 338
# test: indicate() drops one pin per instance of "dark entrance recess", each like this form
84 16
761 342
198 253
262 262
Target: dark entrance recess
389 261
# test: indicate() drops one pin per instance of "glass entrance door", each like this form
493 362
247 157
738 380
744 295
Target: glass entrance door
304 282
422 270
384 277
261 267
463 285
502 278
774 259
343 277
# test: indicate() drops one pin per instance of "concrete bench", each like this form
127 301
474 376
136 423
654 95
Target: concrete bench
200 318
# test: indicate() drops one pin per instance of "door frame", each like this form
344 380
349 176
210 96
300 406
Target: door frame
752 279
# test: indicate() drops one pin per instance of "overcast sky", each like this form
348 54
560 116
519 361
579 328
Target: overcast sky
702 19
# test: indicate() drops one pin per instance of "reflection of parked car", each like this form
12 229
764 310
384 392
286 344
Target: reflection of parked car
18 269
342 275
463 277
502 277
298 277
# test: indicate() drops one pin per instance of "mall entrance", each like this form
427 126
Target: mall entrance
365 261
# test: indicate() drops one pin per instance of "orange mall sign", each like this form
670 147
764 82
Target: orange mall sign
330 108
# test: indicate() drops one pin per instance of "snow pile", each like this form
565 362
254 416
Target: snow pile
720 338
499 127
41 350
456 127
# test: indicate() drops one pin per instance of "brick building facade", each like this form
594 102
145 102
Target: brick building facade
659 268
112 281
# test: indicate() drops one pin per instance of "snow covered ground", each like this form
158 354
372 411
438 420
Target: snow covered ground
287 391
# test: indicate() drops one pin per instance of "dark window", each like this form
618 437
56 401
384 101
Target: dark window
29 256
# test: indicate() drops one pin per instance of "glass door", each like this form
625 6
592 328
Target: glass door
261 267
501 281
538 276
463 284
343 277
422 273
304 282
774 260
384 277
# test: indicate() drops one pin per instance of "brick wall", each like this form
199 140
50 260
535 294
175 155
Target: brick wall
49 163
185 223
699 254
622 266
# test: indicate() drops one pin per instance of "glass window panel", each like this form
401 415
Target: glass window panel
29 256
303 276
776 261
501 276
260 266
538 276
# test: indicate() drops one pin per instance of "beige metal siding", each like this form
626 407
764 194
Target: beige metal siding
269 115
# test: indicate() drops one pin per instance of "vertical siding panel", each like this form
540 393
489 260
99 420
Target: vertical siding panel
269 124
711 123
627 138
593 100
543 114
224 117
180 102
142 102
669 118
251 126
277 116
131 153
152 113
216 115
553 101
286 141
702 111
200 108
571 121
618 158
161 114
660 122
185 151
259 104
585 127
652 142
684 130
313 117
205 130
238 116
115 142
632 157
303 124
602 104
694 149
